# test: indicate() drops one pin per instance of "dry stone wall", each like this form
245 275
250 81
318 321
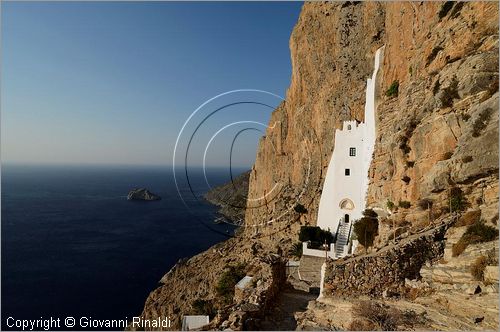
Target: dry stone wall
384 272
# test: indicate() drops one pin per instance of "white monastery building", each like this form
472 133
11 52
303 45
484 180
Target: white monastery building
343 199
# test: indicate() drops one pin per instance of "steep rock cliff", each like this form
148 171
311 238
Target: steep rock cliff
332 48
441 130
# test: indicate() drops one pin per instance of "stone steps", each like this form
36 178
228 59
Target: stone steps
310 270
342 239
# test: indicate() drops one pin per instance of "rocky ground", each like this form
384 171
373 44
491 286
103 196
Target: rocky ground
443 296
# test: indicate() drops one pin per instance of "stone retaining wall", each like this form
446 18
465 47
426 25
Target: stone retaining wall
384 272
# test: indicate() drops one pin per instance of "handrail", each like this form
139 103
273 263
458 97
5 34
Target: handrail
349 235
308 243
338 228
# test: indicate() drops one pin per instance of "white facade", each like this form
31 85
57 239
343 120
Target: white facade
244 282
346 184
194 322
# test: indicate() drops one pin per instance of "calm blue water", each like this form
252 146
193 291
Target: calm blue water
72 245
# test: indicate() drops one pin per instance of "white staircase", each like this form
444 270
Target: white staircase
342 239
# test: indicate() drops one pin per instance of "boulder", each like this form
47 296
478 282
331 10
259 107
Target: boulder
473 289
491 274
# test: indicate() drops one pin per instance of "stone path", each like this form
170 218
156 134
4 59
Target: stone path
310 270
282 316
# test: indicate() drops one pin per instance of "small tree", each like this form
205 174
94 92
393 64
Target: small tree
393 89
366 228
390 205
315 235
299 208
404 204
457 200
426 204
227 281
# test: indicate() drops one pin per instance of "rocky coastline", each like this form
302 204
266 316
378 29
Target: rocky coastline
231 198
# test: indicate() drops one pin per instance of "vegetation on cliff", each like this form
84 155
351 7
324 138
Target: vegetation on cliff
475 233
227 281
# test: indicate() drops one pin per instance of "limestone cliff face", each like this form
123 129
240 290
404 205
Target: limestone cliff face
442 129
445 59
332 48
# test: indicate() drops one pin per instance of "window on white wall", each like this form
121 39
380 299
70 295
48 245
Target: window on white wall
352 152
347 172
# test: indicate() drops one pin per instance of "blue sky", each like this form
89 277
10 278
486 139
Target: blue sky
113 83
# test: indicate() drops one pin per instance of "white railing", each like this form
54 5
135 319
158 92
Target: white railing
318 252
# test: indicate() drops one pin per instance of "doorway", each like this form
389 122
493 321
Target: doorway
346 218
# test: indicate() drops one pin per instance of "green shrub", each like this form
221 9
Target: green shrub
296 250
445 8
406 149
410 164
467 159
447 155
393 89
366 228
299 208
315 235
227 281
457 200
404 204
204 307
456 10
475 233
390 205
481 122
484 233
403 143
425 203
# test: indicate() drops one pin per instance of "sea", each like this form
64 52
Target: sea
72 245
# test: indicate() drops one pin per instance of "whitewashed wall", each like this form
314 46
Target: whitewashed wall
337 185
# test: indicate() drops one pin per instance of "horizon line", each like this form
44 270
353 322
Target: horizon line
29 163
